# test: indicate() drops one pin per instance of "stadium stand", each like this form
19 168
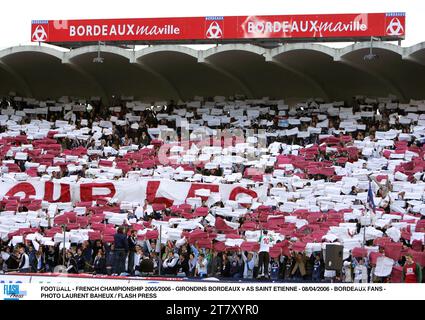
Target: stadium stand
231 188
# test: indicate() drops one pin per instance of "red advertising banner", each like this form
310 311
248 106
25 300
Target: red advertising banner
323 27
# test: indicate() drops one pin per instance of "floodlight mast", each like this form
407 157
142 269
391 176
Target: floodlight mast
371 55
99 59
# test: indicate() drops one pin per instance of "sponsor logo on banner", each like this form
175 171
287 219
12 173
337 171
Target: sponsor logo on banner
209 29
123 30
395 27
259 27
39 34
39 31
214 27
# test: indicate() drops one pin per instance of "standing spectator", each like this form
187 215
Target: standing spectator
99 263
248 272
192 265
50 258
145 139
169 265
39 264
297 271
110 258
214 265
347 272
264 257
183 265
24 261
146 264
138 256
32 257
98 245
87 254
318 268
12 263
209 255
274 269
132 241
283 260
236 267
360 272
201 266
155 261
149 247
121 249
2 261
71 264
79 258
412 272
256 264
4 256
225 266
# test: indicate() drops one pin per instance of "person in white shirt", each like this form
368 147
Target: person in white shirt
249 263
264 257
138 256
24 261
360 272
346 271
169 264
201 266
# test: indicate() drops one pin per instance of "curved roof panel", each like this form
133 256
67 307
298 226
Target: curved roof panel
297 70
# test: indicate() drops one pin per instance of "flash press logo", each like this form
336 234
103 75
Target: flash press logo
214 31
395 28
13 292
39 34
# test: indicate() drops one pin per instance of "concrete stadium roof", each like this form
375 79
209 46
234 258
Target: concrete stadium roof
291 71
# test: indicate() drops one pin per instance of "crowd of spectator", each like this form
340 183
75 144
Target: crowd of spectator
334 173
